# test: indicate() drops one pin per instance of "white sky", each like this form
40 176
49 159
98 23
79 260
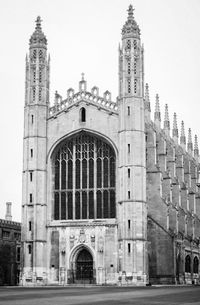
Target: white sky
83 36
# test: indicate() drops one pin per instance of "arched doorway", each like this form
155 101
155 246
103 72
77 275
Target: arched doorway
84 267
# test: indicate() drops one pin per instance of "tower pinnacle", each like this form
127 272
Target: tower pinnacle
175 128
157 116
196 148
130 12
130 28
38 38
182 137
38 23
166 120
147 105
189 144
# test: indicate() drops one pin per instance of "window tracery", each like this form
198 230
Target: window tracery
84 179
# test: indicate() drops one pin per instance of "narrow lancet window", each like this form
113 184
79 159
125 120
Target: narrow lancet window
83 114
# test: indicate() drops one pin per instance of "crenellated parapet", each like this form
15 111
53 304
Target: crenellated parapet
91 97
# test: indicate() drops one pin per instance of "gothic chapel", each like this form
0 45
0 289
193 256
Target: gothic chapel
109 195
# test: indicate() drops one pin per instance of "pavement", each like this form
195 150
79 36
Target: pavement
100 295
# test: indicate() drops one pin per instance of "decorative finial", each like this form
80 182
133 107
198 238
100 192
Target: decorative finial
166 113
146 92
175 128
147 99
157 116
82 83
196 147
166 121
189 144
130 12
38 23
38 37
130 27
182 137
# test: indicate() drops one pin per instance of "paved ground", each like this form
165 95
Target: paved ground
189 295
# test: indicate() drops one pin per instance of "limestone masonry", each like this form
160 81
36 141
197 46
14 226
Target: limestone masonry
109 196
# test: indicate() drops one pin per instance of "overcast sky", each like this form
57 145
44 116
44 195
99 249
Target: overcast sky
83 36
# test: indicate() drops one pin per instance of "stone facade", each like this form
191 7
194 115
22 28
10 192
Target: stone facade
108 196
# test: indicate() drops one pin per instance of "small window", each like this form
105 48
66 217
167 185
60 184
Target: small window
40 94
128 44
30 225
5 234
83 114
31 176
31 153
34 93
129 224
129 111
129 85
129 67
129 248
129 173
29 249
129 194
40 54
18 254
135 86
129 148
32 118
135 67
31 198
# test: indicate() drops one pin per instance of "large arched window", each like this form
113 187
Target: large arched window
84 179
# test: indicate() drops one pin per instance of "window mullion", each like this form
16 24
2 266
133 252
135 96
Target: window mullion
95 178
74 177
88 177
102 181
60 186
81 174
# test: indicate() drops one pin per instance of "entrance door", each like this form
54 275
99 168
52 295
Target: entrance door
84 267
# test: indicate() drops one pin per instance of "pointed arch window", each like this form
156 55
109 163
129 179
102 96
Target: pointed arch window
129 85
84 179
195 265
129 67
135 85
188 264
128 44
83 115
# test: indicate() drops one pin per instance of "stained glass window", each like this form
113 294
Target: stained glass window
84 179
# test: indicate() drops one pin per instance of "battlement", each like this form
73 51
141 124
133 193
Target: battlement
92 97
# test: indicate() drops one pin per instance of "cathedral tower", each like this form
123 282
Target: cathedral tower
34 156
132 210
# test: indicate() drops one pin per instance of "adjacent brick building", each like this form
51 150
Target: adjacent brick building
109 196
10 247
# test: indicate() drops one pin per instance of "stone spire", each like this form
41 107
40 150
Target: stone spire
196 148
147 104
38 39
175 129
157 116
182 137
189 143
166 121
130 28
